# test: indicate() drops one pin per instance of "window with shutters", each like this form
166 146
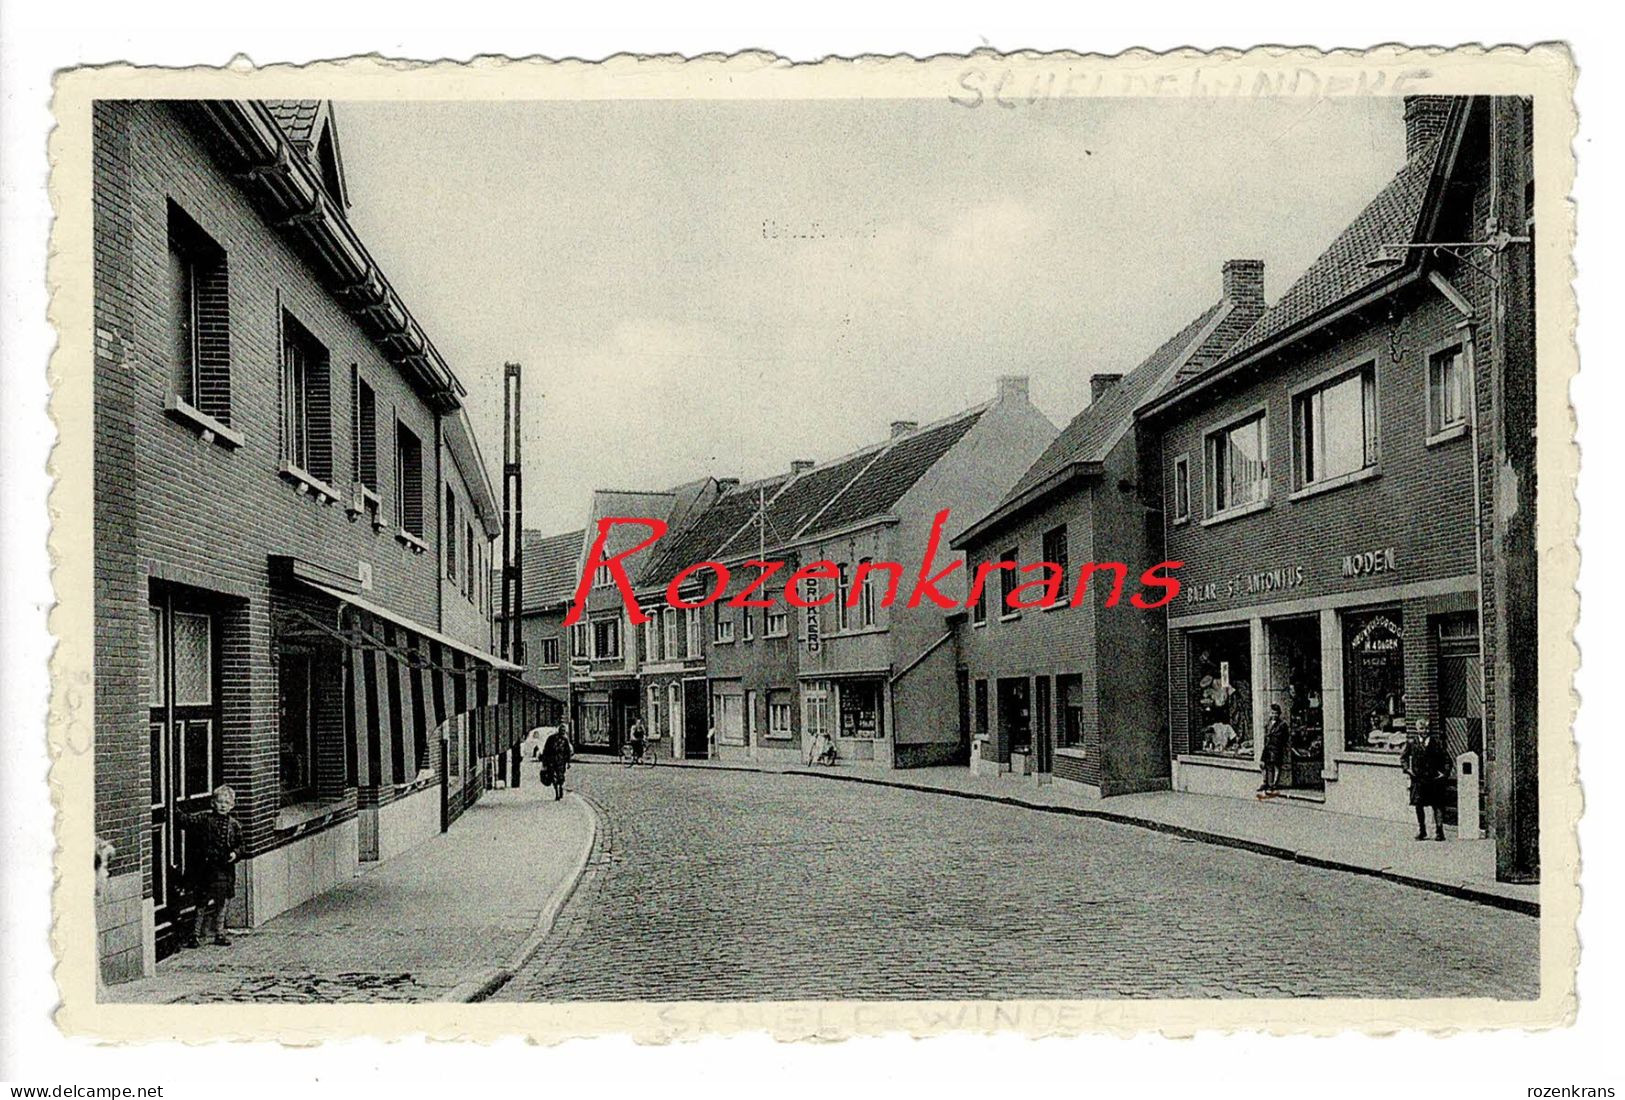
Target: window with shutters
307 415
197 325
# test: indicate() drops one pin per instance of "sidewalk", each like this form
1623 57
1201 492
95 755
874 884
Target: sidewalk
1278 828
446 921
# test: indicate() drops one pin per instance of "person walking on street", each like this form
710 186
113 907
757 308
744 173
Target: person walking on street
556 759
214 843
1428 765
1276 735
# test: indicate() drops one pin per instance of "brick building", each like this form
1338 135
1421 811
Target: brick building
878 680
552 565
605 690
291 517
1075 690
1328 488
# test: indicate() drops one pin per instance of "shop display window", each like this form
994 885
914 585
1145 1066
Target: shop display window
1221 692
860 710
1374 680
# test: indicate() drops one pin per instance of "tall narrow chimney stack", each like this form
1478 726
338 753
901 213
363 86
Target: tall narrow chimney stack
1100 383
1244 283
1013 387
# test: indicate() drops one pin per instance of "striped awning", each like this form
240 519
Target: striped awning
405 680
403 687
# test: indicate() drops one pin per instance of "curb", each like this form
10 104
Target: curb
1455 890
486 982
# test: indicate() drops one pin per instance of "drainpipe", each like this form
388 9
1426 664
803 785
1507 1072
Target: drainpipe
1470 348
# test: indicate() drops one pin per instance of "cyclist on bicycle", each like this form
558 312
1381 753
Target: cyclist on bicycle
635 738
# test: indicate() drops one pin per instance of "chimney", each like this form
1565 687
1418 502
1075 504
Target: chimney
1244 284
801 465
726 483
903 427
1425 116
1013 387
1100 383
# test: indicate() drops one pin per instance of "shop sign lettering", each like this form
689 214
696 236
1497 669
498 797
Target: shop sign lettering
1260 583
1370 562
810 595
1380 634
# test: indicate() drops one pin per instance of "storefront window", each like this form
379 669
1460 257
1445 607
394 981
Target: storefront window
860 710
595 723
1374 680
1221 690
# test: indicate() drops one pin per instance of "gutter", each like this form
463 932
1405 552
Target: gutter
294 203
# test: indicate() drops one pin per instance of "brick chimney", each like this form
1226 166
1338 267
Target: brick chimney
903 427
801 465
1100 383
1244 284
1013 387
1425 116
726 483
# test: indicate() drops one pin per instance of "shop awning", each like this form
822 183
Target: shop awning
407 679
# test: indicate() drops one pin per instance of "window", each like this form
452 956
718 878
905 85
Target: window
1447 391
1007 583
296 724
778 715
752 722
1336 427
843 586
364 437
1069 692
468 556
451 536
1221 692
606 639
668 622
978 611
777 623
307 430
722 623
578 640
747 620
727 717
1182 488
601 577
691 619
408 481
866 595
1374 680
197 323
860 710
1238 466
550 653
1055 551
654 712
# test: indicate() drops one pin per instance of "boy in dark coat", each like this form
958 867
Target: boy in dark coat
214 841
1276 735
1428 765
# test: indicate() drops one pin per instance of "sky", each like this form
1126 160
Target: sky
720 288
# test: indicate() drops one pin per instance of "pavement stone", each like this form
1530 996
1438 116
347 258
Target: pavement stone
725 885
414 928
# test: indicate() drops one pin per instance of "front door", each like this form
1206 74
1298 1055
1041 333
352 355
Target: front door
1461 694
184 742
695 721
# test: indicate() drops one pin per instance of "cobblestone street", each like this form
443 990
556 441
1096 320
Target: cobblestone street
724 885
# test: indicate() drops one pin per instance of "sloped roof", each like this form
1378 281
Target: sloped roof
1094 430
882 484
801 500
701 539
550 564
296 117
1341 272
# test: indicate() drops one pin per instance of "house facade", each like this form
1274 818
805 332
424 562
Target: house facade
277 444
877 680
1326 486
1074 690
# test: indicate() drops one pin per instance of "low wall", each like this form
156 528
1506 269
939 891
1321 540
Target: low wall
387 831
1371 789
276 881
124 934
